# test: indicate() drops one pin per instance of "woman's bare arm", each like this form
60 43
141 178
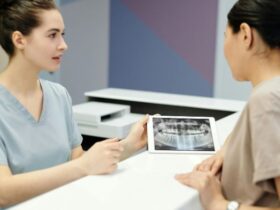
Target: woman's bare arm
77 152
101 158
17 188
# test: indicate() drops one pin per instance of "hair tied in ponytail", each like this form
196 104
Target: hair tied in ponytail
5 4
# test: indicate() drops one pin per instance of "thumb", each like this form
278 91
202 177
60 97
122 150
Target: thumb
144 119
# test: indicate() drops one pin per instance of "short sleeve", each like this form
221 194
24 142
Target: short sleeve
265 139
3 154
74 134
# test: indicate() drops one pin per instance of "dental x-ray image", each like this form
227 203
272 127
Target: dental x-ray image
182 134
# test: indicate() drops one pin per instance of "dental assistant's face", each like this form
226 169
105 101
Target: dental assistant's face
45 45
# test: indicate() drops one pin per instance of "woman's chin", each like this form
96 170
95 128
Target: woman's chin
52 69
238 78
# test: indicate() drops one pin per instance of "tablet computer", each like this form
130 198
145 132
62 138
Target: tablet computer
182 134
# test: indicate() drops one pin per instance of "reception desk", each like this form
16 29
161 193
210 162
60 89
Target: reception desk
146 102
144 181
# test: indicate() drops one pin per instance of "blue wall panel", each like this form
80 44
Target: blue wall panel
141 59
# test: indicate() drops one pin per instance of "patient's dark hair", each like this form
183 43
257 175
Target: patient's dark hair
20 15
263 15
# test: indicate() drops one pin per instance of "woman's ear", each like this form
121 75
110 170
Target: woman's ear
18 40
246 35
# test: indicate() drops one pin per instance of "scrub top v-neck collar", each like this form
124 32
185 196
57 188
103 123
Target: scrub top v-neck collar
15 102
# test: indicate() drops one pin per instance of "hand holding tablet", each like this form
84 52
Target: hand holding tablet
176 134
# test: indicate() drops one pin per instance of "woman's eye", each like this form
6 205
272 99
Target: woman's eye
52 35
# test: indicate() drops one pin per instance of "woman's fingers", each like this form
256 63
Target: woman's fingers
216 167
212 165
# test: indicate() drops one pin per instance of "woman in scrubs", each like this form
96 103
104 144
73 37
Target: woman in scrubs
40 144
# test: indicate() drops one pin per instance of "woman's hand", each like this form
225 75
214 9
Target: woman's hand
208 186
212 164
102 157
136 139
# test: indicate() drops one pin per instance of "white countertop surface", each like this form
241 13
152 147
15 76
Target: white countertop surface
144 181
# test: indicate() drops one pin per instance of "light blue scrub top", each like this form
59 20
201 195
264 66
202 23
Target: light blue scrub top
27 144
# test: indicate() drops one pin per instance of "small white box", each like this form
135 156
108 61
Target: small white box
93 113
104 120
114 128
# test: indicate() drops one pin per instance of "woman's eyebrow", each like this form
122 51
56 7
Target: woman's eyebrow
55 30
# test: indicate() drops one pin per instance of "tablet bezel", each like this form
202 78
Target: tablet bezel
151 141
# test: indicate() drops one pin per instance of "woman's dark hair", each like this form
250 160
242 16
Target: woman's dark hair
263 15
20 15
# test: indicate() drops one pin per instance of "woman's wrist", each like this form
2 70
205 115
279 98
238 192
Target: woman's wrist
80 166
233 205
220 204
128 148
217 202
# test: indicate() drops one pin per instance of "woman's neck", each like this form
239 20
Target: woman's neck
20 77
265 68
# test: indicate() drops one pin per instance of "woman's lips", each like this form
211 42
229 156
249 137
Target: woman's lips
57 59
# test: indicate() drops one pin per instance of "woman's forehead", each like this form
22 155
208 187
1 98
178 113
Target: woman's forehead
51 19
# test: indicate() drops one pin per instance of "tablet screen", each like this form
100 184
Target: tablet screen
181 134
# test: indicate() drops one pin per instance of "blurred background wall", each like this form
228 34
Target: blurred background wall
158 45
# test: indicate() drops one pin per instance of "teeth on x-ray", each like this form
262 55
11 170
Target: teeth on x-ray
183 134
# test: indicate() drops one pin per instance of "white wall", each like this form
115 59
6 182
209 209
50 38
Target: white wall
225 86
3 59
85 64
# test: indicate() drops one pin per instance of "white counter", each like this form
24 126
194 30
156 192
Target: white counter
143 182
